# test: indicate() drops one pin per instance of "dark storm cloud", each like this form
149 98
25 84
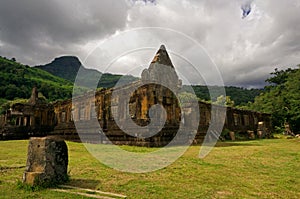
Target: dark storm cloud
56 26
245 50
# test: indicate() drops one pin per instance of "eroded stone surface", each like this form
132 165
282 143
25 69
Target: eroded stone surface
47 161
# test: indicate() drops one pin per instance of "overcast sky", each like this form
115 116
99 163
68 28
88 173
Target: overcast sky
245 39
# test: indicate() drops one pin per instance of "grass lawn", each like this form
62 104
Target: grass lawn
252 169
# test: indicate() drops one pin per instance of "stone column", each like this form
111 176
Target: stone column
232 135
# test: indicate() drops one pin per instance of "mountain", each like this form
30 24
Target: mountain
17 81
67 67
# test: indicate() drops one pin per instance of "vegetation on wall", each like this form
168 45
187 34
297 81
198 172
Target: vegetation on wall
225 101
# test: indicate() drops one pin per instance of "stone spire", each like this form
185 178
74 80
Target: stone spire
162 57
162 71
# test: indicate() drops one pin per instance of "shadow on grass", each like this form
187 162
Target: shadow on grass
237 143
11 168
83 183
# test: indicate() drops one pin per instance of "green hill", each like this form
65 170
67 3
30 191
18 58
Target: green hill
17 81
67 67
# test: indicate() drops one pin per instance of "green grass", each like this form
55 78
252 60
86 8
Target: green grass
252 169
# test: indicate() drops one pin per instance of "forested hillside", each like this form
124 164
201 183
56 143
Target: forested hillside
240 96
17 81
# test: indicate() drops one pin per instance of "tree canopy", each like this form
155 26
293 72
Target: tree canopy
281 98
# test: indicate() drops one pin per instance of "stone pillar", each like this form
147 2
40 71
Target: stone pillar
47 162
232 135
20 121
251 135
259 134
32 120
261 130
25 121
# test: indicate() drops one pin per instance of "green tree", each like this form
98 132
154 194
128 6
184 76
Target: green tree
187 97
225 101
281 98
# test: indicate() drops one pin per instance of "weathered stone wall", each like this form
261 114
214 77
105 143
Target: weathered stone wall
140 101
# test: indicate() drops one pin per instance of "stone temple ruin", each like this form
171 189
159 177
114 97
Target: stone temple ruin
125 115
35 118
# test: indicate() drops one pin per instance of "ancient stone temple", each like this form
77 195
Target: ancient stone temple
118 115
144 113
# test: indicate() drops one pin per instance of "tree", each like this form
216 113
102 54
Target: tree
281 98
225 101
280 76
187 97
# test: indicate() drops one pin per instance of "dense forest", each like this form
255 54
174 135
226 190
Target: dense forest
240 96
281 98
